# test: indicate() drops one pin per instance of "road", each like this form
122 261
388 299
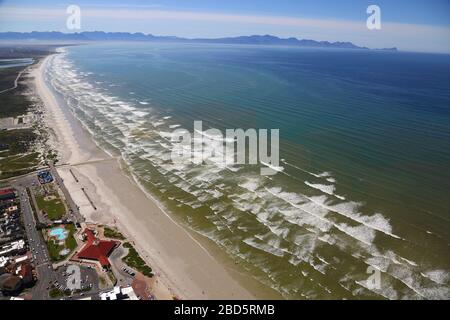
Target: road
47 276
37 245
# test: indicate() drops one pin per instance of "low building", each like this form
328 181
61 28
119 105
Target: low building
12 248
23 259
25 272
10 284
3 261
45 177
96 249
6 194
11 209
119 293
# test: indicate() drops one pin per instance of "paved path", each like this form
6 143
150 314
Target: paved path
15 82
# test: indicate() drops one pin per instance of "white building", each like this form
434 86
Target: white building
119 293
10 247
3 261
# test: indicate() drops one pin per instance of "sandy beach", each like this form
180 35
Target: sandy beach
182 265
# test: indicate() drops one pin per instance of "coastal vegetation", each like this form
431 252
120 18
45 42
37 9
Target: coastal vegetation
58 293
134 260
16 152
22 142
112 233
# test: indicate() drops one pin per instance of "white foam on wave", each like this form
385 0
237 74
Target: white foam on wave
320 175
264 247
362 233
326 188
140 113
350 210
329 189
250 184
275 168
439 276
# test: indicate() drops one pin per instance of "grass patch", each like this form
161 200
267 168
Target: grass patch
56 293
18 140
112 233
51 205
54 248
102 280
71 243
14 102
133 260
15 157
112 278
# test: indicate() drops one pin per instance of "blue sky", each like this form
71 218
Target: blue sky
417 25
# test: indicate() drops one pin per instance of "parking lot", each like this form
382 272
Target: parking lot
88 281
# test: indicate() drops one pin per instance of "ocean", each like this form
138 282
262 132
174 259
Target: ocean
362 207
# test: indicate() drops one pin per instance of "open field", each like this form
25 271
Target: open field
18 151
17 156
18 51
14 102
51 204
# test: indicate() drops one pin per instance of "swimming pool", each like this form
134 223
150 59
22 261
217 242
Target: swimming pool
59 233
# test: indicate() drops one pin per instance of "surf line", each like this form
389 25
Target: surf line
236 147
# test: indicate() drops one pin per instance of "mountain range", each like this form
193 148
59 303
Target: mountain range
87 36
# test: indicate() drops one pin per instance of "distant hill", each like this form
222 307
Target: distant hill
125 36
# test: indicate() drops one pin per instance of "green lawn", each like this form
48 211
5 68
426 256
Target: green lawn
70 243
54 208
133 260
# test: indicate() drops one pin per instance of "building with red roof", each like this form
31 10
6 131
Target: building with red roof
96 249
8 193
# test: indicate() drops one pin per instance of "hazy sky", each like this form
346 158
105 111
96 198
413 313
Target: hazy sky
417 25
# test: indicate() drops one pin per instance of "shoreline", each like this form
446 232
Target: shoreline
183 267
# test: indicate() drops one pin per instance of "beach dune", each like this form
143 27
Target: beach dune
184 268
